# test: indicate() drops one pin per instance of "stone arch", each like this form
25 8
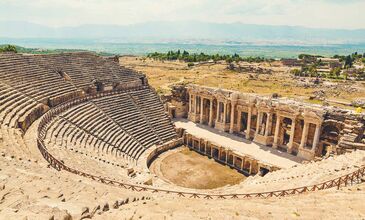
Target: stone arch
331 133
330 136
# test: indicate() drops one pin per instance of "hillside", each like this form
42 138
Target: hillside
186 31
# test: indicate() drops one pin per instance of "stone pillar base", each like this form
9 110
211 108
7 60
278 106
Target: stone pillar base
194 117
307 154
264 140
222 126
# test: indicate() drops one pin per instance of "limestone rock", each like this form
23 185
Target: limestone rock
84 210
105 207
130 171
86 216
121 202
96 208
115 204
148 182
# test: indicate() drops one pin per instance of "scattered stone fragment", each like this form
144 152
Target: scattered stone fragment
84 210
96 208
115 204
105 207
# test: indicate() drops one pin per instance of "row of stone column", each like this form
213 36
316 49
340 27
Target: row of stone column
194 105
304 136
226 156
222 116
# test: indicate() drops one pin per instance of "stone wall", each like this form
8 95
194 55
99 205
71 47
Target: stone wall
176 104
302 129
242 163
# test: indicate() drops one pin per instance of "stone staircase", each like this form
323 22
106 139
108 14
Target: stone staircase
352 135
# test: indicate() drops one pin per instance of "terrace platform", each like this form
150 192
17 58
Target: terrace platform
262 153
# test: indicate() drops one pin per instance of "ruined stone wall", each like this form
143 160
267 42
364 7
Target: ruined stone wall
351 128
236 160
178 100
339 130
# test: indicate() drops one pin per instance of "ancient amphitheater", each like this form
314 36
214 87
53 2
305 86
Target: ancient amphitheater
80 135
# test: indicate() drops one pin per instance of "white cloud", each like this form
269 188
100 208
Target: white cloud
312 13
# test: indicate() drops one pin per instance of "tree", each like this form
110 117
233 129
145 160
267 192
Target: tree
185 53
348 61
336 71
8 48
345 75
312 70
229 60
295 72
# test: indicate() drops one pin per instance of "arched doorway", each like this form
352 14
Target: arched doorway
285 130
330 136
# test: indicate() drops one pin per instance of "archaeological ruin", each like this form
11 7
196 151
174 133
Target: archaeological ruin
93 118
305 130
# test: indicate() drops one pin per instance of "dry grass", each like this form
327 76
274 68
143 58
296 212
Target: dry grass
162 74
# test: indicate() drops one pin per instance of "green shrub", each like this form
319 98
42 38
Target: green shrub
8 48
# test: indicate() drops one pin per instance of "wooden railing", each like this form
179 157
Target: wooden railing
348 179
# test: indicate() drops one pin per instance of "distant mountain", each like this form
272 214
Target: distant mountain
232 33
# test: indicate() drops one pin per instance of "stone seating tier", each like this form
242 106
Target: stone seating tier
85 69
27 77
124 124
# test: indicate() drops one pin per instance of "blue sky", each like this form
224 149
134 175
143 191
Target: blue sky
349 14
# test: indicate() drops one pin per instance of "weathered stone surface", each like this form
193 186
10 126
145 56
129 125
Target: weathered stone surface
326 128
84 210
95 209
105 207
115 204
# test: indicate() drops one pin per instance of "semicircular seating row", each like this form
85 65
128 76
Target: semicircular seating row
30 86
124 124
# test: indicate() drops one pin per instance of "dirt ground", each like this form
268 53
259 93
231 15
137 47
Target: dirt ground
189 169
275 78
